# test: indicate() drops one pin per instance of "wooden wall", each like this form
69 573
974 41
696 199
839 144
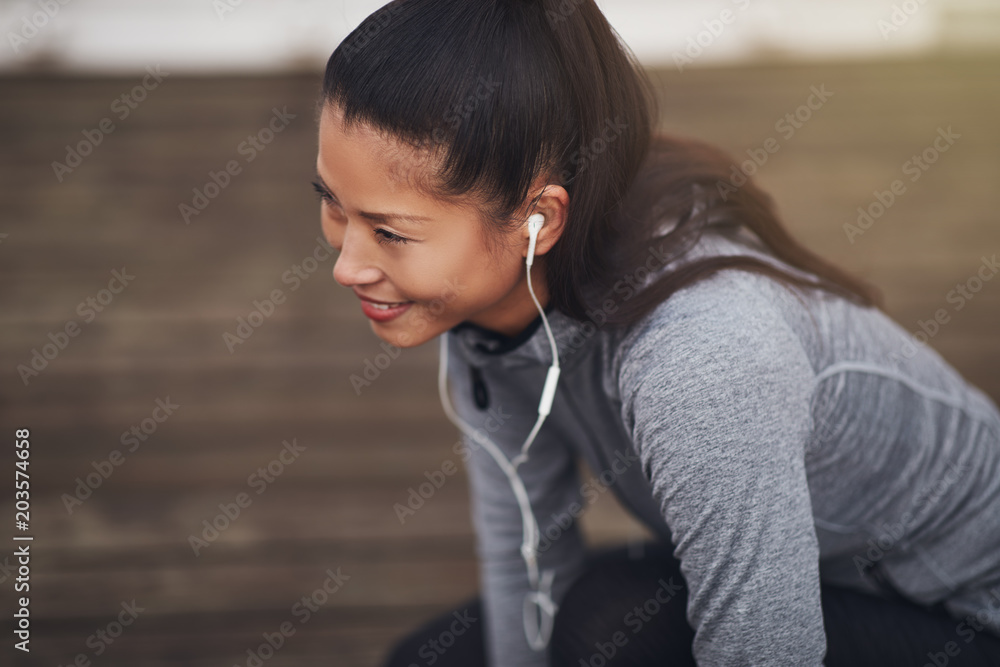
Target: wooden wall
332 507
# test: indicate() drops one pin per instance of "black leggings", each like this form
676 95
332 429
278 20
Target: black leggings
861 630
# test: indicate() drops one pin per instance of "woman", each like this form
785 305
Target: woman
823 488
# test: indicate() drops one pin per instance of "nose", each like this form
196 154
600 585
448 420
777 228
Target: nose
352 266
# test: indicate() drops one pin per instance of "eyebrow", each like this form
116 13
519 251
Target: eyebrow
376 217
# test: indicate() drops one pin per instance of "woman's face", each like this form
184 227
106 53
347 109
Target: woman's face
398 245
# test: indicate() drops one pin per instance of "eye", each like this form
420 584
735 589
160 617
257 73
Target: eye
324 196
321 191
382 236
388 238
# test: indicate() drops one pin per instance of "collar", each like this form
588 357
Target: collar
484 347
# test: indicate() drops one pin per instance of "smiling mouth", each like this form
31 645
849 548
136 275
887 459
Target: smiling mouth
387 306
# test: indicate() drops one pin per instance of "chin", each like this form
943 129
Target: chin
404 337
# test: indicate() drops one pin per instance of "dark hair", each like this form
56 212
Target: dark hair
504 91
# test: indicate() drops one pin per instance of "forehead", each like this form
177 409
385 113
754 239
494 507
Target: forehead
401 164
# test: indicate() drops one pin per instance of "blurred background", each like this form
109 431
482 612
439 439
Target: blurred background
203 471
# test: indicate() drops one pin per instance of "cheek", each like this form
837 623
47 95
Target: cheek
430 275
458 272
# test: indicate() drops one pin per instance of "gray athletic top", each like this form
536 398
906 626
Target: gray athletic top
777 442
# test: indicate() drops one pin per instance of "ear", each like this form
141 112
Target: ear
554 205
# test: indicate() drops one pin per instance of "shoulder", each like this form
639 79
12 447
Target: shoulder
723 313
722 339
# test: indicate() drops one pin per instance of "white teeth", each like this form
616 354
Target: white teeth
379 306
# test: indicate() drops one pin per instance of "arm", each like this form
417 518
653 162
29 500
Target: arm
715 393
551 479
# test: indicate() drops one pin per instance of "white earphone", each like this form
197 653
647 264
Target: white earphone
539 609
535 223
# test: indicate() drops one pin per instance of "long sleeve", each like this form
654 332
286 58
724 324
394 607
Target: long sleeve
715 393
551 479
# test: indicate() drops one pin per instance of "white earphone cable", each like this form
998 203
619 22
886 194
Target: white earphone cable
537 626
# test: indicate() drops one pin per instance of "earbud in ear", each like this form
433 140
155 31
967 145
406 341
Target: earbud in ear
535 223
